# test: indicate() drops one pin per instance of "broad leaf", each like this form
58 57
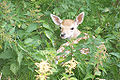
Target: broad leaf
49 35
31 27
14 68
115 54
19 58
45 25
7 54
6 70
28 40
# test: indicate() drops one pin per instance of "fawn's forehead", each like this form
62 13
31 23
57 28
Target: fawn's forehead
67 23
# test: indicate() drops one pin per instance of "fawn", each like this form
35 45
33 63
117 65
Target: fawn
69 30
68 27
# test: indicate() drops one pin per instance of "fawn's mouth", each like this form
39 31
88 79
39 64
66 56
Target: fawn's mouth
63 37
66 37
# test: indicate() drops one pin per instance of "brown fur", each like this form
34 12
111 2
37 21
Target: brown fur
56 19
67 22
80 17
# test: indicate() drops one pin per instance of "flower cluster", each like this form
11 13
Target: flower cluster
70 65
44 69
84 50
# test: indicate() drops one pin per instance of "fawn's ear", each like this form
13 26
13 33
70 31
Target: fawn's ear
56 19
79 18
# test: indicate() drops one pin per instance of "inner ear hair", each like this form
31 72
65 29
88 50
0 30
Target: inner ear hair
56 19
80 18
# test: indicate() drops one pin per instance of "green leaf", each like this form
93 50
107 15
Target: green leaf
4 24
64 6
89 76
106 10
117 26
14 68
103 69
98 30
118 64
73 78
6 70
56 11
31 27
7 54
98 73
28 40
28 13
49 35
68 58
115 54
12 30
19 58
45 25
21 33
24 26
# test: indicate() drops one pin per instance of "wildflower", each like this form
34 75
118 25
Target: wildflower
44 69
60 50
70 65
84 50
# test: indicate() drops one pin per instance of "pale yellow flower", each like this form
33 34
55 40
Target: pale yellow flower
70 65
44 69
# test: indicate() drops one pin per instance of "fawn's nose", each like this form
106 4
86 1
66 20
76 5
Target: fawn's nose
62 34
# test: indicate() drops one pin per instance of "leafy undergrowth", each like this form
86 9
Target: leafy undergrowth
29 40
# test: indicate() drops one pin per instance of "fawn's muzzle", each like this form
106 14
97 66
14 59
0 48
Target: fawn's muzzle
62 35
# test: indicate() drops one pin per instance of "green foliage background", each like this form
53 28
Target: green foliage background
28 35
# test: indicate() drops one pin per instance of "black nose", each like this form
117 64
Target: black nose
62 35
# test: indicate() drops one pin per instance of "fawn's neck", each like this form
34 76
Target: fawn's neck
76 34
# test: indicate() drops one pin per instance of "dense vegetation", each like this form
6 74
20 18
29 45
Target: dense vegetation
28 36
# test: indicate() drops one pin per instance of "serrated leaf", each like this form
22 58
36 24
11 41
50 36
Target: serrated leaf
31 27
14 68
6 70
7 54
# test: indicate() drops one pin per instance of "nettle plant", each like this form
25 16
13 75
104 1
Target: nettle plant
87 51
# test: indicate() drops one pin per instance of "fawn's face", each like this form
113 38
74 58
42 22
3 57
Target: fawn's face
68 27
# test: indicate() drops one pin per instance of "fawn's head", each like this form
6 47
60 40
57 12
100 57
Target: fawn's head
68 27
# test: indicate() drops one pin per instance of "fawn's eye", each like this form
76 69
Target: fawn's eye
72 28
60 27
